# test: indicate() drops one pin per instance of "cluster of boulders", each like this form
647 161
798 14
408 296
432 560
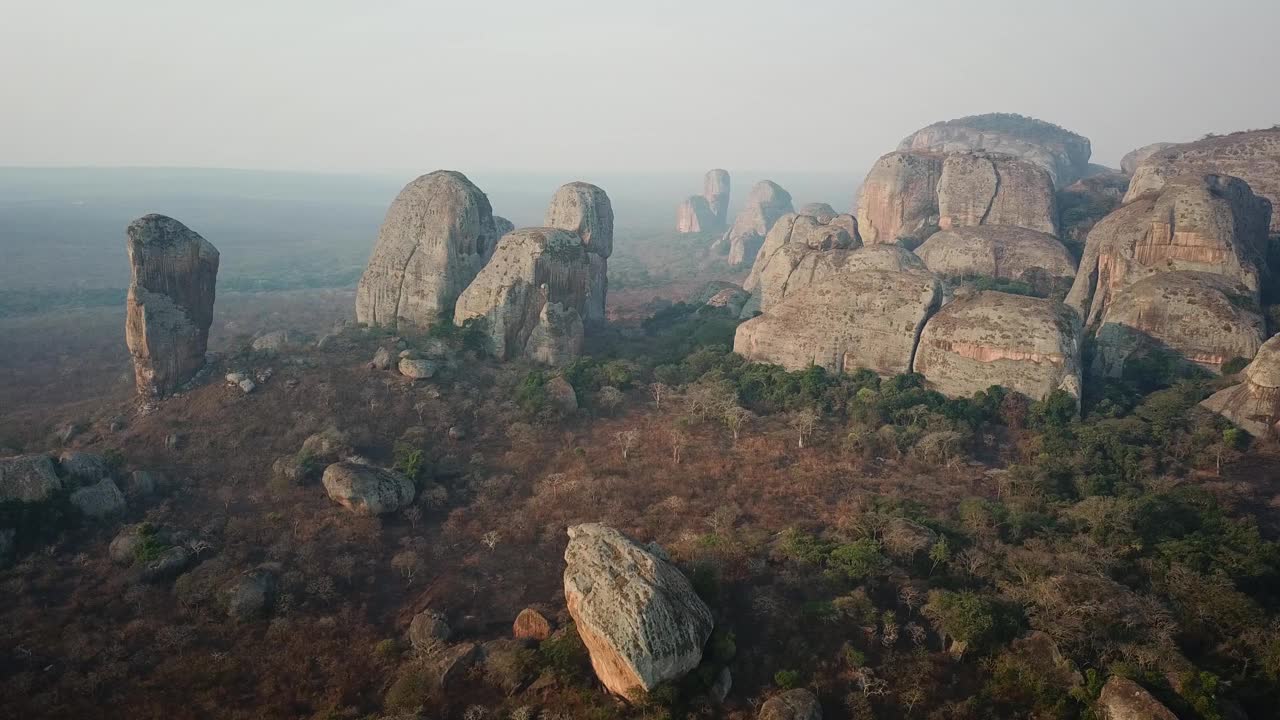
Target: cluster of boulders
1177 269
86 479
440 257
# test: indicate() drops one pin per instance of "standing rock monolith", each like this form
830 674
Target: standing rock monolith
765 205
438 233
584 210
170 302
715 188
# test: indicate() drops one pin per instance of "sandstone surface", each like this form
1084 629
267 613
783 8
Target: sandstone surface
637 614
584 210
766 203
796 266
1132 159
1124 699
694 216
999 251
818 232
899 198
1062 153
984 188
437 235
797 704
170 302
1254 404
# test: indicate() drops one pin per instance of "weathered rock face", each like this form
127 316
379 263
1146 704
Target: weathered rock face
28 478
501 226
715 188
899 198
1062 153
855 319
798 704
1254 404
1124 699
367 490
531 625
638 616
584 210
1251 156
531 269
437 235
1132 159
826 232
797 266
766 203
1204 318
820 210
99 500
982 188
1202 223
1026 344
170 302
1086 201
694 216
1000 251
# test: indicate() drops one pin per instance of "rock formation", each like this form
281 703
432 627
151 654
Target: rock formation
715 188
899 198
1132 159
817 232
1251 156
983 188
438 233
532 295
501 226
1203 223
170 302
797 704
694 216
797 266
1124 699
584 210
854 319
1000 251
367 490
1086 201
28 478
1204 318
1254 405
1062 153
766 203
637 614
1026 344
820 210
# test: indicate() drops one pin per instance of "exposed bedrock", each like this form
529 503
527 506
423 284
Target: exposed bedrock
766 203
822 231
694 216
899 198
1000 251
169 308
1132 159
982 188
584 210
437 235
796 266
1062 153
501 226
1254 404
1029 345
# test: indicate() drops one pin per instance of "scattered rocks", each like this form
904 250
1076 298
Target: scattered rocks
367 490
28 478
417 368
1253 405
247 386
100 500
798 704
428 630
170 303
531 625
1124 699
637 614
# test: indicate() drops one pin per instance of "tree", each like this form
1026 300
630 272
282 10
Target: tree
735 418
679 440
657 391
609 398
963 617
803 421
627 440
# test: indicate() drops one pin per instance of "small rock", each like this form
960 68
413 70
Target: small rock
428 630
247 386
235 378
275 341
457 433
531 625
252 594
100 500
798 704
169 565
417 369
83 468
381 359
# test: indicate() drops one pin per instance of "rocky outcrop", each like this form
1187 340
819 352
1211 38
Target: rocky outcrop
367 490
797 266
501 226
437 235
1132 159
1026 344
797 704
531 625
637 614
1201 223
865 318
584 210
766 203
1062 153
28 478
983 188
694 216
83 468
1254 405
820 210
1252 156
1204 318
1000 251
715 188
531 269
100 500
170 302
429 630
899 198
1124 699
1086 201
822 232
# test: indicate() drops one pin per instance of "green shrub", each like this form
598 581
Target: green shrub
787 679
856 561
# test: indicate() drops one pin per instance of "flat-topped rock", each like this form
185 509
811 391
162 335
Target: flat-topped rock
1254 404
1000 251
1062 153
367 490
826 232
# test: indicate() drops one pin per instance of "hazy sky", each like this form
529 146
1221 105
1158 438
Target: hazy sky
644 85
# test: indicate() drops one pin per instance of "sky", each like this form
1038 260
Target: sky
642 86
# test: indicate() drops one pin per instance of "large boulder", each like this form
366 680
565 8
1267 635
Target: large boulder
898 199
28 478
1026 344
765 204
252 594
1201 223
501 226
715 188
584 210
1252 156
796 266
100 500
797 704
694 216
858 319
367 490
984 188
1062 153
823 211
1254 404
1124 699
637 614
531 269
170 303
1000 251
438 233
1202 318
1132 159
83 468
817 231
